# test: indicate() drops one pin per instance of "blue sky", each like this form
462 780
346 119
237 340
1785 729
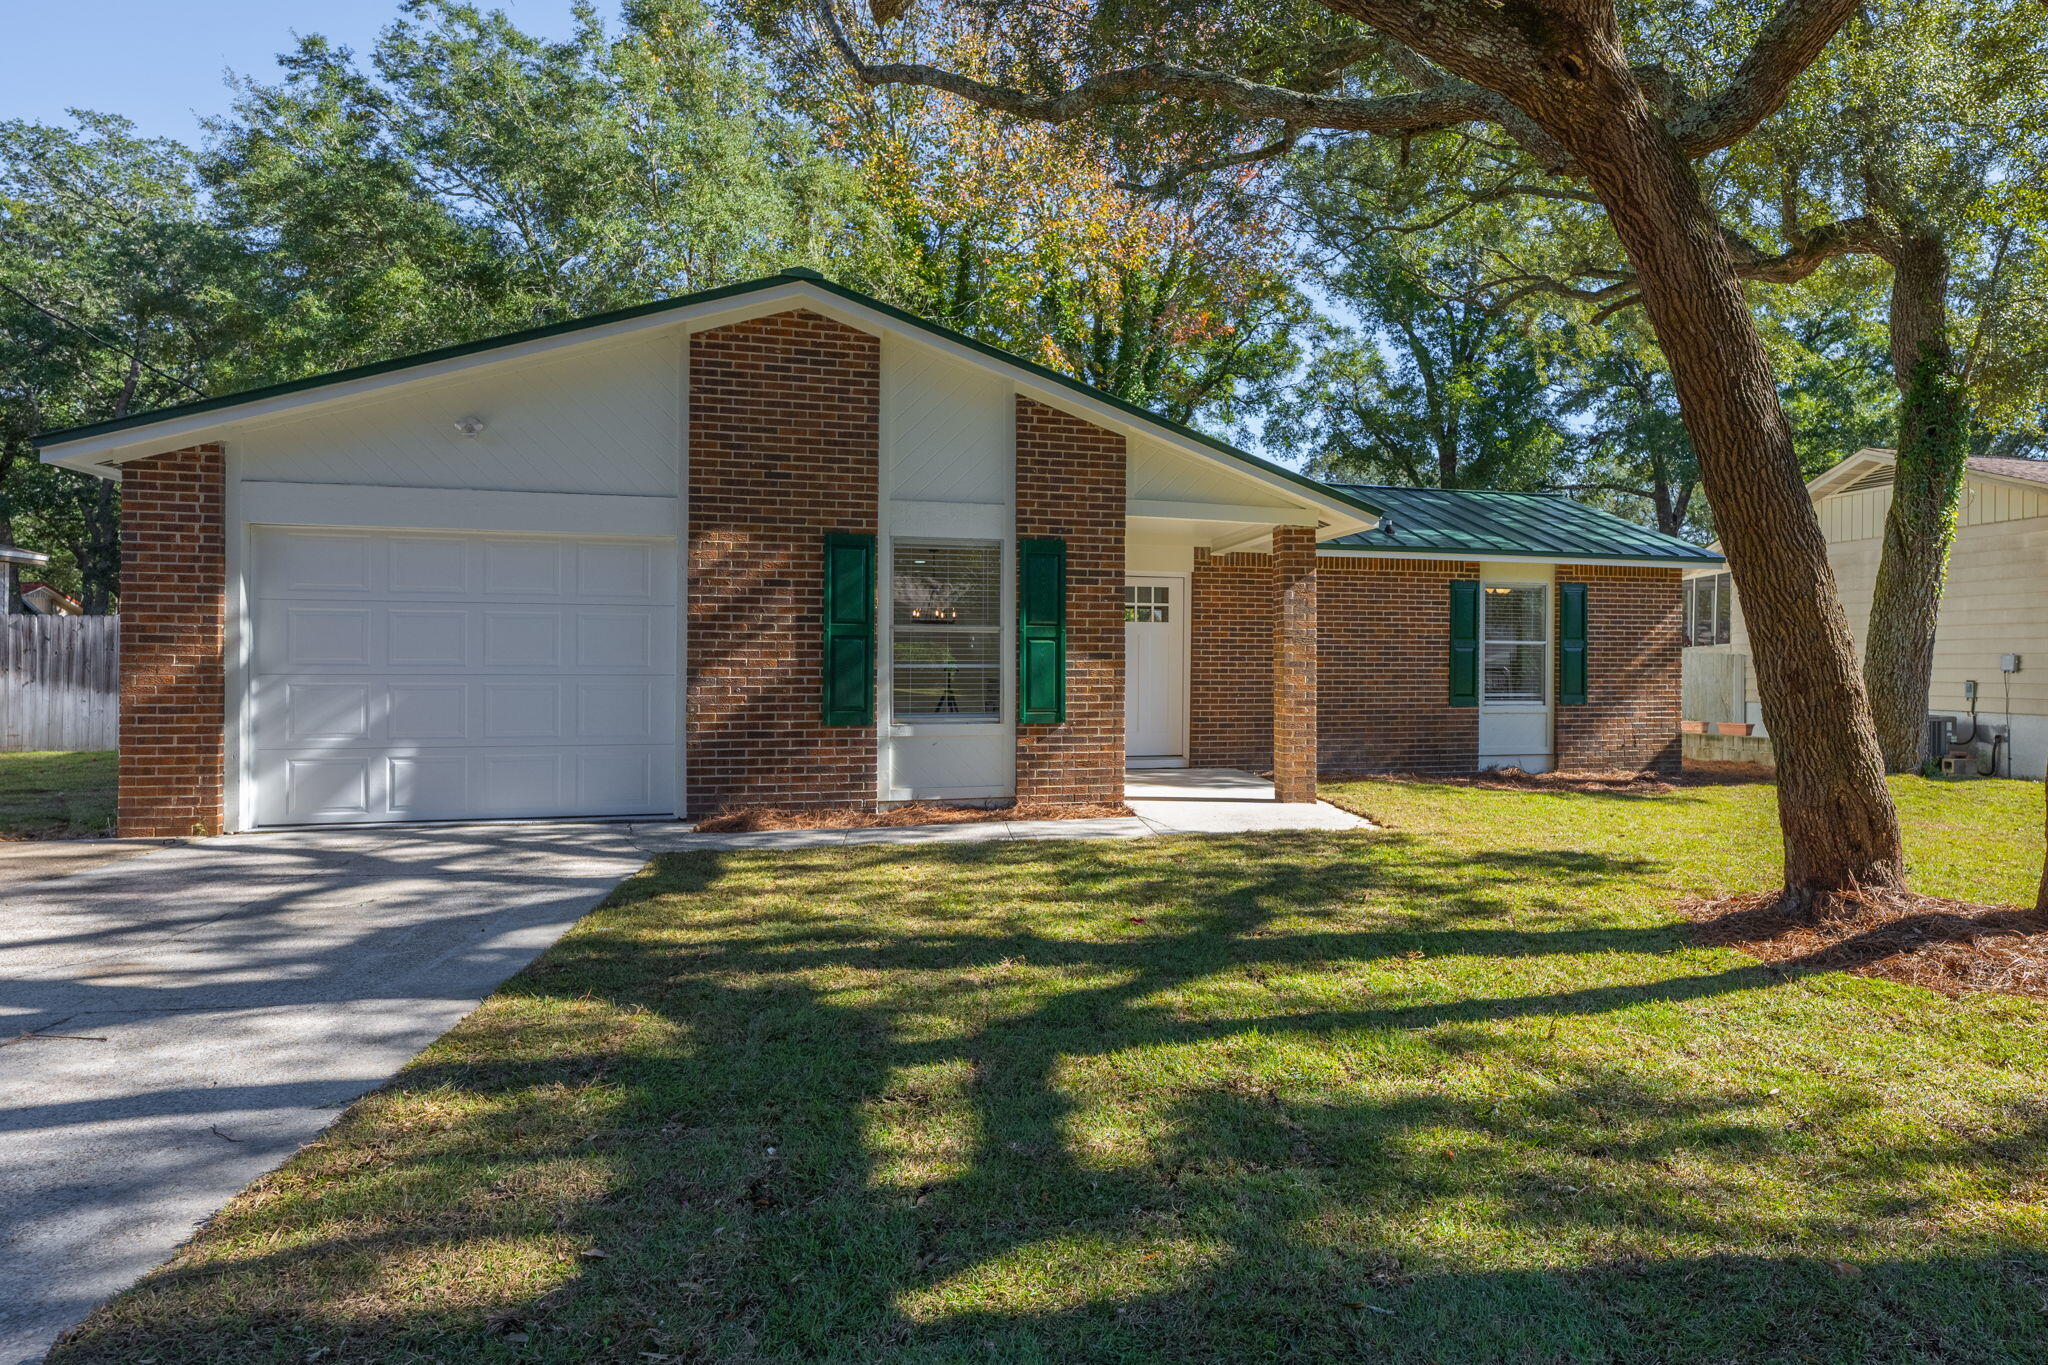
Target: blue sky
162 64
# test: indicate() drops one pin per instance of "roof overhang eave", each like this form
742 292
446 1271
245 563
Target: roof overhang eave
101 449
1496 557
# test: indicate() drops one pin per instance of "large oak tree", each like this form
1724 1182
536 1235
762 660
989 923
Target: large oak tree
1916 142
1557 77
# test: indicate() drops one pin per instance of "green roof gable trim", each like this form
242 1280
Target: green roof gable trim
1450 522
794 274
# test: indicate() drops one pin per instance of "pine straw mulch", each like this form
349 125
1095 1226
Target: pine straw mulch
1607 782
754 819
1954 947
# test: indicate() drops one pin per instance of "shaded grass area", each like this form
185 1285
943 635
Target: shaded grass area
1463 1091
56 795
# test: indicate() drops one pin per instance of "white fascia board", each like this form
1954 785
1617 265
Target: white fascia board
1849 470
1460 556
93 454
1152 509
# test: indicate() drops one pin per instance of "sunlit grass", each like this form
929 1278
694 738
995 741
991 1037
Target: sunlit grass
1461 1091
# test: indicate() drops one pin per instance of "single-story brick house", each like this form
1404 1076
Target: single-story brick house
782 543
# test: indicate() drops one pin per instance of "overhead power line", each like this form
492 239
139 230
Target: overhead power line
85 331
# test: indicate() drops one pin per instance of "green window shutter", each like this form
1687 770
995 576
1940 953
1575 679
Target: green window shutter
847 694
1571 644
1464 644
1041 631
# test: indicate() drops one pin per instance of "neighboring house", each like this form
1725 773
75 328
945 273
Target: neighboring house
44 600
1994 608
13 559
781 543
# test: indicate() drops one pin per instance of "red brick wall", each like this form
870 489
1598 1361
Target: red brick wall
1382 666
1293 681
1070 484
1230 663
1385 668
173 606
784 441
1383 675
1634 635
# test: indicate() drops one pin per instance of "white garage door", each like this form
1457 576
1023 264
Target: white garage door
421 676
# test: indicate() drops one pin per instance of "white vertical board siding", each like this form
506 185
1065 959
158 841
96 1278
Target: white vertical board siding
1854 516
604 419
950 428
1157 471
1985 502
60 682
948 471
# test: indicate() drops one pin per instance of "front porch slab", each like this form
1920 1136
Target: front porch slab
1224 801
1162 801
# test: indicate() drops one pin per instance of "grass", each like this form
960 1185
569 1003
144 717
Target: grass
56 795
1461 1091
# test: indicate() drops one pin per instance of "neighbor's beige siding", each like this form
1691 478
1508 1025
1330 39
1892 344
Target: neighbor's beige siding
1996 601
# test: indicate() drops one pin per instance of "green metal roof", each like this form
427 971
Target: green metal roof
226 401
1449 522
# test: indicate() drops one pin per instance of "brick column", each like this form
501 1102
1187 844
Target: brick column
784 447
1294 663
173 607
1070 484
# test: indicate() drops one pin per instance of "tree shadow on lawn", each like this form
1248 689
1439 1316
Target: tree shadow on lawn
947 1107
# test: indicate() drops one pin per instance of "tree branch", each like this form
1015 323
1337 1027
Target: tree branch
1444 105
1174 179
1815 247
1789 42
1859 236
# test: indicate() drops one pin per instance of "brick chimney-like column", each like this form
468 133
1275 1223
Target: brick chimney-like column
173 607
1294 663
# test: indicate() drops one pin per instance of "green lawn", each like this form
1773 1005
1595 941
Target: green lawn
1458 1092
56 795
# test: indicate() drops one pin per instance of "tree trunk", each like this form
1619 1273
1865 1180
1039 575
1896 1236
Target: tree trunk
2041 895
1927 490
1840 829
99 551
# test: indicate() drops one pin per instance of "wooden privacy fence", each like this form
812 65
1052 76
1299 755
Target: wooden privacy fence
1715 686
60 682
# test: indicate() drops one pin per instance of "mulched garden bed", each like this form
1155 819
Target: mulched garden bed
753 819
1954 947
1610 782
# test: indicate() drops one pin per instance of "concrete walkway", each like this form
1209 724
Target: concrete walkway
1162 801
173 1026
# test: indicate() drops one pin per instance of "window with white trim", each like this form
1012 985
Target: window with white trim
946 636
1709 609
1515 642
1147 602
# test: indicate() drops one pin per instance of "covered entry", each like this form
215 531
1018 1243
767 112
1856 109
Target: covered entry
1156 670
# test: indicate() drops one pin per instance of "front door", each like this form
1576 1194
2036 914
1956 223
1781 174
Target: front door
1155 670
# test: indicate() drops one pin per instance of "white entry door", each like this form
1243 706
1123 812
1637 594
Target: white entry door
1156 670
1515 676
443 676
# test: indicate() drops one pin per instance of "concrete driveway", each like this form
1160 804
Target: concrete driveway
175 1024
